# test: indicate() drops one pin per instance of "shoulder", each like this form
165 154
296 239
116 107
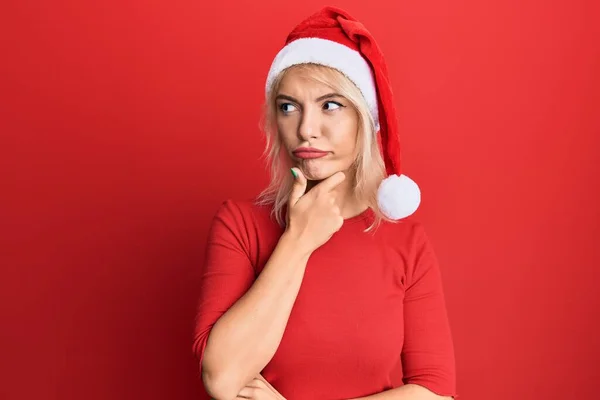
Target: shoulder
246 226
409 240
245 216
243 209
408 233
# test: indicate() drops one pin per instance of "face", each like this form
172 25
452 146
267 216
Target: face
318 127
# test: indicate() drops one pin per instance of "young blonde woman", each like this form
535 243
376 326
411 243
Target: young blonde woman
322 288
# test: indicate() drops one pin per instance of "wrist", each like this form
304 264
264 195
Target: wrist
294 246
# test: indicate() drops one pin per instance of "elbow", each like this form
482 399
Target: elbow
219 382
219 386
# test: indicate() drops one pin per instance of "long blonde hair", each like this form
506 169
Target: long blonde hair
369 166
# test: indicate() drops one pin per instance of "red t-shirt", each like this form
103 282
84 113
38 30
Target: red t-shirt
370 314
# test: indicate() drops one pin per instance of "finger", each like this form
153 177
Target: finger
246 393
332 182
268 385
256 383
262 381
299 187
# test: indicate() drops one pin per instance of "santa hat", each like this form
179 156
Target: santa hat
334 39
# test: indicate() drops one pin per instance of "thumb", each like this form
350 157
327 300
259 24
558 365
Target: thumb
299 187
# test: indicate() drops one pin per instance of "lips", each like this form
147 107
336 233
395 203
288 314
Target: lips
309 153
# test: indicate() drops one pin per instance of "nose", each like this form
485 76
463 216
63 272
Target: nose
310 126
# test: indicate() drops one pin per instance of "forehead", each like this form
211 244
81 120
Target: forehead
299 82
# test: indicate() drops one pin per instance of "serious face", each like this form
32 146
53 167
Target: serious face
317 126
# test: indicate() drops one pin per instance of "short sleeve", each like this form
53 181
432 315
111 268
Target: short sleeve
428 352
227 271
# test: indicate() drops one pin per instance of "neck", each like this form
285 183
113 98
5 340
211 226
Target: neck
349 205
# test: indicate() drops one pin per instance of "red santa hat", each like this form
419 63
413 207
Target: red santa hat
332 38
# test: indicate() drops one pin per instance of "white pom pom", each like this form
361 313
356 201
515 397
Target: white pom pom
398 196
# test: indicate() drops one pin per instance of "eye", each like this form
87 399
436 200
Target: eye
332 105
287 107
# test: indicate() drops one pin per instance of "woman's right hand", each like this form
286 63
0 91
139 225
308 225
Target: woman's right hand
314 217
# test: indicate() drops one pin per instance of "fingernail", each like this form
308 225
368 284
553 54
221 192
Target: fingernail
294 173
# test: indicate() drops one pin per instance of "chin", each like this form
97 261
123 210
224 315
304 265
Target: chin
316 177
314 172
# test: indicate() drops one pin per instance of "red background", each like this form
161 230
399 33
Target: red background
125 124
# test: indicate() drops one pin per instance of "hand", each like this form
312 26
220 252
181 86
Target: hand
259 389
314 217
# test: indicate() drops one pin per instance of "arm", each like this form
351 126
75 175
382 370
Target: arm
427 354
428 350
406 392
246 337
241 320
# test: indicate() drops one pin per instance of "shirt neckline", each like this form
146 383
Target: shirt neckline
366 214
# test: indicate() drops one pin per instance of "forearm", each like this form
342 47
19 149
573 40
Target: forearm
406 392
245 338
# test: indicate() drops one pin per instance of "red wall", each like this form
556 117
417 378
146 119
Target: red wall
125 124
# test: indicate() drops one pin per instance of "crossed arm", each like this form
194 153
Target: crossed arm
406 392
260 389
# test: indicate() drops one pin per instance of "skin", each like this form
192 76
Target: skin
311 114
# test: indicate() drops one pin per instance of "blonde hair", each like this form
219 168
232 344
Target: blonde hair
369 166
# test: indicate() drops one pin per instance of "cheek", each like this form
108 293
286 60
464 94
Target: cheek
344 138
286 132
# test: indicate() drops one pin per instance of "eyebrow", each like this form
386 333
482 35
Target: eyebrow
290 98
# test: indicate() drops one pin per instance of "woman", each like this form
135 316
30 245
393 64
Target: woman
322 288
